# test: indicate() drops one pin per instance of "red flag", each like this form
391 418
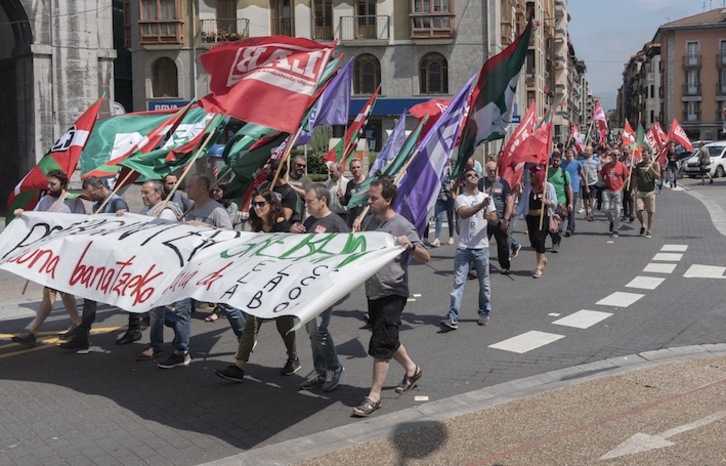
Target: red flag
509 171
677 135
347 145
602 122
656 144
249 79
535 149
432 108
576 138
63 155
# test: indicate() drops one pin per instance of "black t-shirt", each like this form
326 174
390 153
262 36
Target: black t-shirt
353 213
331 223
291 200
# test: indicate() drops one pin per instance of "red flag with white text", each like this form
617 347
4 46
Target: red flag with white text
602 122
433 108
509 171
268 81
576 138
677 135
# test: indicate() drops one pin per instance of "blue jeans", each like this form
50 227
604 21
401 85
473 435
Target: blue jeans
673 175
321 342
443 208
480 258
183 323
235 317
158 317
571 215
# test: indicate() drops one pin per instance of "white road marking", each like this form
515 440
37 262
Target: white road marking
645 283
554 314
583 319
641 442
526 341
674 248
668 257
417 295
611 242
421 398
705 271
620 299
654 267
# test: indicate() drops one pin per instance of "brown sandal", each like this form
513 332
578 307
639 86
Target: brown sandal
366 407
409 382
213 316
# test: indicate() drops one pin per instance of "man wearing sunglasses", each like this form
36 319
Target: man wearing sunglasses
299 181
474 209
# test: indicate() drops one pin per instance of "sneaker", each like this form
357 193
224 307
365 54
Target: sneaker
711 182
614 234
648 235
291 366
129 337
580 210
175 360
27 339
568 233
515 252
631 219
483 320
506 272
70 333
642 231
231 372
332 379
79 343
451 241
313 380
555 248
452 324
435 243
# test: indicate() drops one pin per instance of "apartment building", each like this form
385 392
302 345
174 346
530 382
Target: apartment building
693 72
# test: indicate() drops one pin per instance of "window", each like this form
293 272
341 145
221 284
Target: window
367 74
722 81
652 91
127 23
160 21
692 82
164 80
323 19
365 13
282 13
432 18
433 74
692 53
693 110
227 16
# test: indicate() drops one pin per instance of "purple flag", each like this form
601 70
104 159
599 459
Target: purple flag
333 106
420 186
392 147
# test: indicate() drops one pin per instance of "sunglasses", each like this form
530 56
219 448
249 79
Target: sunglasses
259 204
301 165
472 175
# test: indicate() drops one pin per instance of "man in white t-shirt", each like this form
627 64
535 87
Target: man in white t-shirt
474 209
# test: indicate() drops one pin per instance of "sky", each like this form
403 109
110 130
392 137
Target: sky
605 33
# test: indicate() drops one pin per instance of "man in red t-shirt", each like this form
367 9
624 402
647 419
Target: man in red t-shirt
613 174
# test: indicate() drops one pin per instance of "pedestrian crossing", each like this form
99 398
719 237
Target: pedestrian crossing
664 262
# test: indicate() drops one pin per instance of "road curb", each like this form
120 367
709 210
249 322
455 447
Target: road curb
717 214
333 440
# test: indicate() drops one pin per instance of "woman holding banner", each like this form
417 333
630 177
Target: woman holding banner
266 216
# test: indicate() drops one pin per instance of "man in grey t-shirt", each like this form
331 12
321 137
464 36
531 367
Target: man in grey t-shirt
387 292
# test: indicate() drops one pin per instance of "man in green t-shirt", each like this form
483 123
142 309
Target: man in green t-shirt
645 175
560 179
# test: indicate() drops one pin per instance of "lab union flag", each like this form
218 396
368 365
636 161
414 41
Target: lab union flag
268 81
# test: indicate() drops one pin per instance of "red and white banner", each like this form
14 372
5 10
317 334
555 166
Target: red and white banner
677 135
510 170
576 137
602 122
138 262
268 81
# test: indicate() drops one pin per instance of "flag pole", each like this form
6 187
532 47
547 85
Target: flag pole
589 132
115 190
285 157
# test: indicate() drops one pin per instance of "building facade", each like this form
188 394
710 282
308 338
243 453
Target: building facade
56 59
693 73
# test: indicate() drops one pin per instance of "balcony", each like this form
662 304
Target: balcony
438 25
212 31
691 61
367 28
161 32
692 89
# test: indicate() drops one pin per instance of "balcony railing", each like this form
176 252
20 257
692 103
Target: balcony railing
432 25
376 27
691 61
720 88
692 117
155 32
720 60
692 89
223 30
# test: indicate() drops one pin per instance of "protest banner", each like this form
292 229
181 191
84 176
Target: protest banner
138 262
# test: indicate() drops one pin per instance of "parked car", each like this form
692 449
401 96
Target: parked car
717 151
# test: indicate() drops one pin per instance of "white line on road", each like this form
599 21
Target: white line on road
705 271
641 442
620 299
645 283
674 248
654 267
583 319
526 341
668 257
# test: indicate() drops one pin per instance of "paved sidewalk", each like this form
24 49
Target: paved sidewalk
608 412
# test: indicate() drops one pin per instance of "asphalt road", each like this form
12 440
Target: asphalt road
105 408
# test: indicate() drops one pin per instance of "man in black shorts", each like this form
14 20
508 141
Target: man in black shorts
387 292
